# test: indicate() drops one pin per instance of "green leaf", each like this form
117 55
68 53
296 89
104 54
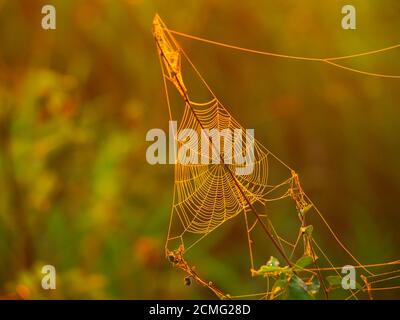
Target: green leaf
268 269
297 290
303 262
272 266
279 286
334 281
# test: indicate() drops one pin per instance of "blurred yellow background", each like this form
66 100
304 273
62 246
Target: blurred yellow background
76 191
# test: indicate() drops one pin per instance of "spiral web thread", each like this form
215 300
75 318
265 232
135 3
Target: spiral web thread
208 195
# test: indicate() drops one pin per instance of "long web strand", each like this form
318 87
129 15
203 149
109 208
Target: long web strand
285 56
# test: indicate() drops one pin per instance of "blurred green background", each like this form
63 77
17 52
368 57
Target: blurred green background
76 191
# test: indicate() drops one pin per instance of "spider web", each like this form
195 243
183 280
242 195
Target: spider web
208 195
